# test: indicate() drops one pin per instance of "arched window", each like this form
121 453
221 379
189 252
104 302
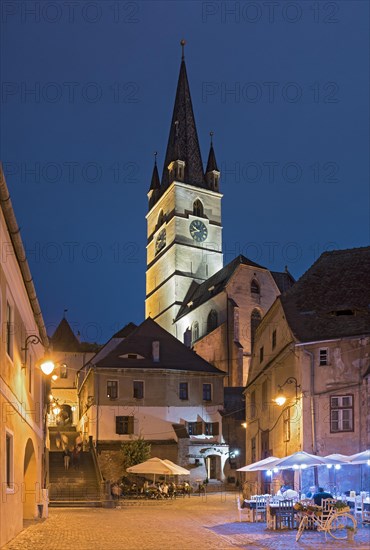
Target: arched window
198 209
195 331
255 321
255 287
160 219
212 320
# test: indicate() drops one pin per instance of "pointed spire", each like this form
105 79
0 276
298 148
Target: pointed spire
155 184
183 141
211 164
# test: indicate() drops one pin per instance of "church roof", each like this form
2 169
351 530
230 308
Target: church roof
173 355
283 279
64 338
211 164
125 331
183 141
201 293
155 183
331 300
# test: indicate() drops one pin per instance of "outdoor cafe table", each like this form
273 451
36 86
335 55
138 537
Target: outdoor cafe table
273 506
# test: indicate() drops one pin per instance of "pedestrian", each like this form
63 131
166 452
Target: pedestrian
76 457
320 495
67 458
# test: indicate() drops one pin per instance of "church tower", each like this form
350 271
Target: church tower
184 228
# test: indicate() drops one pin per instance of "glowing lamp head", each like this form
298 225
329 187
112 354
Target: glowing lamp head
269 473
295 467
54 377
280 400
275 470
47 367
337 466
244 424
368 462
56 410
303 466
329 466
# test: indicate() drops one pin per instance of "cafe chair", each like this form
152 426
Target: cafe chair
247 513
365 513
260 509
284 515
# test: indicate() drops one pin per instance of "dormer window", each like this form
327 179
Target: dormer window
198 209
255 287
195 331
176 170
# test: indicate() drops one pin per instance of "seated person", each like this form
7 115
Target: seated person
320 495
311 492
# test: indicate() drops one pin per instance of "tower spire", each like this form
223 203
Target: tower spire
212 171
183 143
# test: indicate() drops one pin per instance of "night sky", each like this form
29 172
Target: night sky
284 86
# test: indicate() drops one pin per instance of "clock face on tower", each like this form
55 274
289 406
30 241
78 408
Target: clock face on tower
161 241
198 231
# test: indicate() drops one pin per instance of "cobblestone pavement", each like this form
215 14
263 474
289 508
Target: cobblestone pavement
202 523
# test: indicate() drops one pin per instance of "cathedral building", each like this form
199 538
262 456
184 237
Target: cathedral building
208 306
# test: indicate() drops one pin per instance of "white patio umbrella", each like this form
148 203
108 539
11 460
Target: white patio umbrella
179 469
337 458
360 458
299 461
156 466
264 464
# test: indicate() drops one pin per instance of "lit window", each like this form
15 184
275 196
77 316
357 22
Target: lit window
183 391
207 392
112 389
138 389
323 357
124 425
341 413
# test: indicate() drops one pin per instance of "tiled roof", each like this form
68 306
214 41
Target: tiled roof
284 280
332 299
125 331
173 355
219 281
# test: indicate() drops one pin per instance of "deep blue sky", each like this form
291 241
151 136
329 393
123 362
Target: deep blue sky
310 126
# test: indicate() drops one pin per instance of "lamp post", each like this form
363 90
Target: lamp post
47 366
280 399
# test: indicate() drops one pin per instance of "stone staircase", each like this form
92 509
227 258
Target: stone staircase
74 487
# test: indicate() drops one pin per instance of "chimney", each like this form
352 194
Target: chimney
155 351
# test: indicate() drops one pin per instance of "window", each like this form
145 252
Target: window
323 357
112 389
212 320
194 428
195 331
252 411
63 371
286 425
273 339
138 389
253 450
9 461
255 321
207 392
198 209
261 354
341 413
183 391
211 428
255 287
9 330
124 425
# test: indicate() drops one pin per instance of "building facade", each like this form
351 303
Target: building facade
314 343
146 384
22 468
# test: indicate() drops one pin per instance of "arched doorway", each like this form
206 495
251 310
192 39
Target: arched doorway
30 489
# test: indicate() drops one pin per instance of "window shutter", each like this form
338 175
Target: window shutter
215 428
199 428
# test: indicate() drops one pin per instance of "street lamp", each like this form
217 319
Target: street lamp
280 398
47 366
